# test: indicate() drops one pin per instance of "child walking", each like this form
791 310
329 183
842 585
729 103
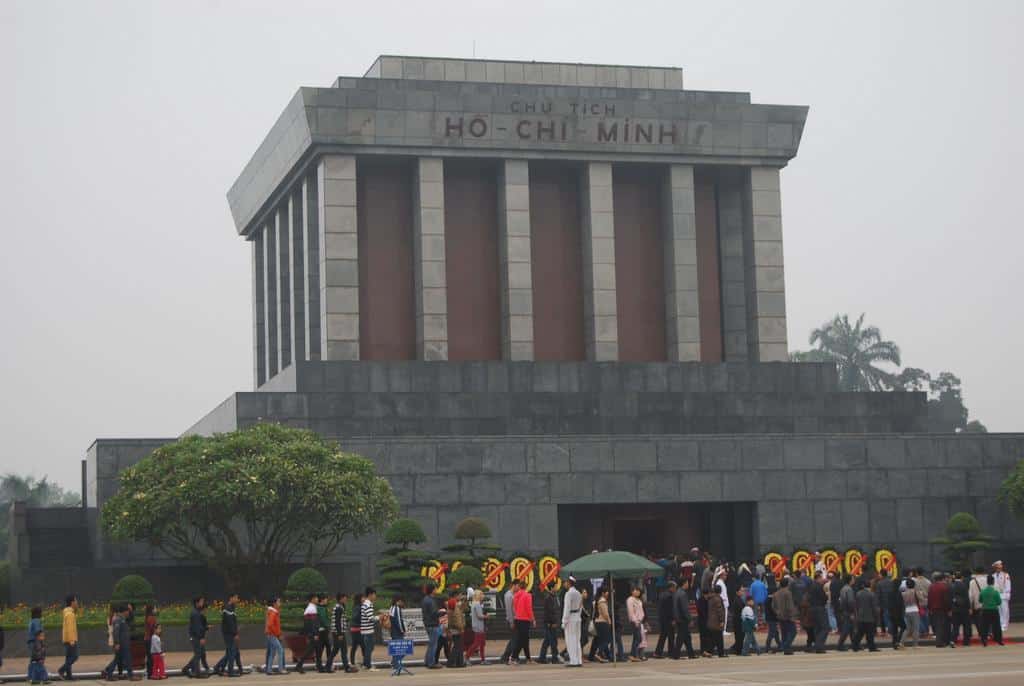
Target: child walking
749 619
37 662
156 652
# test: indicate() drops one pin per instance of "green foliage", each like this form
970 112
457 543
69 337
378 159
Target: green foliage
465 576
857 351
36 493
1011 492
405 531
134 589
963 538
399 566
472 528
250 501
304 581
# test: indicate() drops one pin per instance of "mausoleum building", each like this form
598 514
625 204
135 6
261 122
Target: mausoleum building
552 295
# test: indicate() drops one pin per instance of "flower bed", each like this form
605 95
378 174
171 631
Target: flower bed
94 615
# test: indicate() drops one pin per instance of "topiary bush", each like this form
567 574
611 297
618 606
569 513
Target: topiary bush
304 581
300 584
466 576
134 589
404 532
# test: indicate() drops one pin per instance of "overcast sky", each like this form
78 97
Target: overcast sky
126 291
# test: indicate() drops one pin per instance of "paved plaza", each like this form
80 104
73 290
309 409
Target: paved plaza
992 666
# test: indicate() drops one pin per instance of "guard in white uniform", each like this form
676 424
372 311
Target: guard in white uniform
572 604
1002 579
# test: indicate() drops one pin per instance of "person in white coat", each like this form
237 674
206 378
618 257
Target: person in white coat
572 604
1002 578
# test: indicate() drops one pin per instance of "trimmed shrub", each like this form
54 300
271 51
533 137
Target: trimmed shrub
300 584
134 589
304 581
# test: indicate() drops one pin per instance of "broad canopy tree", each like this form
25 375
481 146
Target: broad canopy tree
249 502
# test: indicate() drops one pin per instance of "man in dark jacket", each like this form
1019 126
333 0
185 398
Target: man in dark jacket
552 618
197 635
681 620
818 601
867 618
845 604
666 621
430 623
739 601
884 588
787 613
229 631
938 610
121 634
960 616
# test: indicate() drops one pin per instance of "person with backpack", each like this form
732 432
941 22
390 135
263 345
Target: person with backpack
960 610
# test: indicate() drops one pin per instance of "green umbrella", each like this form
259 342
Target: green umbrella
611 563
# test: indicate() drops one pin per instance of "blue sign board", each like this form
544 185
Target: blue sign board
400 648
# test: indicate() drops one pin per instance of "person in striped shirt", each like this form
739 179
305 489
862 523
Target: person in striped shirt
366 626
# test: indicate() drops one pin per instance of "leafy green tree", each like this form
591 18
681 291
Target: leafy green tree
249 502
1011 492
857 351
399 565
947 412
35 492
963 538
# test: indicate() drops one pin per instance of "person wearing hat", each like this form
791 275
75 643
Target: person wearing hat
572 604
1002 579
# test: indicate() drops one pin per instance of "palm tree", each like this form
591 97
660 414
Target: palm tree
857 349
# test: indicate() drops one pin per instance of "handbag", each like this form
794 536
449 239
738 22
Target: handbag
592 628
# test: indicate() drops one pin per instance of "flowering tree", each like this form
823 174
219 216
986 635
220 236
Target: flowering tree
249 502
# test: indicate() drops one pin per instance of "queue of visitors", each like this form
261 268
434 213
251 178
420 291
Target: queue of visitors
715 598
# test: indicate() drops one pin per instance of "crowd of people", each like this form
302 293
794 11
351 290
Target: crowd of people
717 599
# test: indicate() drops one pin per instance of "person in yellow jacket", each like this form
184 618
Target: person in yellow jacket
69 636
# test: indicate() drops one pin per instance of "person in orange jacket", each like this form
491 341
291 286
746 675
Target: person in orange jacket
272 629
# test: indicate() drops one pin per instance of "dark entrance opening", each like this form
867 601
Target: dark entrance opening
726 529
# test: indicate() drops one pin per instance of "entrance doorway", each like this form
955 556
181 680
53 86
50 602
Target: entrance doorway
726 529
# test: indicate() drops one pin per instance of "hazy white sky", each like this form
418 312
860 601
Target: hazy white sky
126 291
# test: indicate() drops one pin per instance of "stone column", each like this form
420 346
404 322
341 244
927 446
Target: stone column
270 296
311 265
338 257
682 305
297 263
259 341
733 272
766 291
284 287
429 260
515 258
600 317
